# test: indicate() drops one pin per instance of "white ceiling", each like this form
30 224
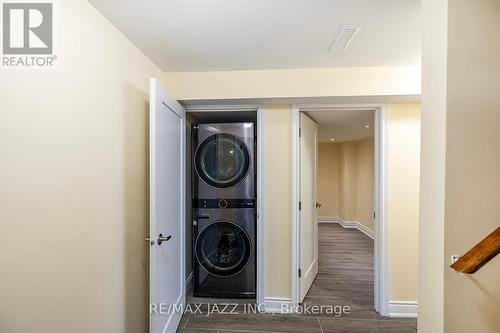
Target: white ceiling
202 35
343 125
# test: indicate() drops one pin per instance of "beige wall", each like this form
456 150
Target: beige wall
365 192
74 207
403 199
347 190
278 196
461 73
328 179
313 82
472 302
432 166
345 181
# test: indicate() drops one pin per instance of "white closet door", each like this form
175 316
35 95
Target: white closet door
167 205
308 226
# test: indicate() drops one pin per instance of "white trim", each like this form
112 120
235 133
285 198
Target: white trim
222 108
361 227
276 304
347 224
328 219
183 205
381 264
381 267
403 309
261 248
295 206
328 101
330 107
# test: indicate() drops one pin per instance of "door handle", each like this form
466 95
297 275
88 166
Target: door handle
162 238
318 205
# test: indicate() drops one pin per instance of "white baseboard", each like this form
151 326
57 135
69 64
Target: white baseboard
274 304
328 219
347 224
403 309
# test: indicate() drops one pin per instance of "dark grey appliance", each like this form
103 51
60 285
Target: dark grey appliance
224 252
224 165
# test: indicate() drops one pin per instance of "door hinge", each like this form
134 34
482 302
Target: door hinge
300 132
374 215
300 205
300 273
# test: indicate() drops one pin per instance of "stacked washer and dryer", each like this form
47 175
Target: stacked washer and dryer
224 220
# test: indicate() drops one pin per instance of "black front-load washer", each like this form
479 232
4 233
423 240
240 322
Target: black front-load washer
224 252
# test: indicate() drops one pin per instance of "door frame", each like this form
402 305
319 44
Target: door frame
381 241
260 248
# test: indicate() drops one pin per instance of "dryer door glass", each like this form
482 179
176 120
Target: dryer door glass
222 160
223 249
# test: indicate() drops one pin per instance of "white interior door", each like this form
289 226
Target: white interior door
308 226
167 202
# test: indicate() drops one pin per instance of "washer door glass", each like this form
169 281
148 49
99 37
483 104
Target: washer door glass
222 160
223 248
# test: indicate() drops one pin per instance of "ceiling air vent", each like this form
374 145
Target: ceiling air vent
345 37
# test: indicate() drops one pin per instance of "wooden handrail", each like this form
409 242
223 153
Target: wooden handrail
480 254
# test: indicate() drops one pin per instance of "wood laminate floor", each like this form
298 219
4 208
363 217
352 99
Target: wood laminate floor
345 278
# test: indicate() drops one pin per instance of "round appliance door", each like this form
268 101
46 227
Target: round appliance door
222 160
223 248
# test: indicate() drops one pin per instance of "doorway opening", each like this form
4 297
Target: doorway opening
338 217
224 204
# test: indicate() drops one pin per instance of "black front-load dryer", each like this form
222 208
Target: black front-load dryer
224 252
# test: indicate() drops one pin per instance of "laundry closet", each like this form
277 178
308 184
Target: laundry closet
221 203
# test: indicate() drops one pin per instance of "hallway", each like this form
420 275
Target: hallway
345 270
345 277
